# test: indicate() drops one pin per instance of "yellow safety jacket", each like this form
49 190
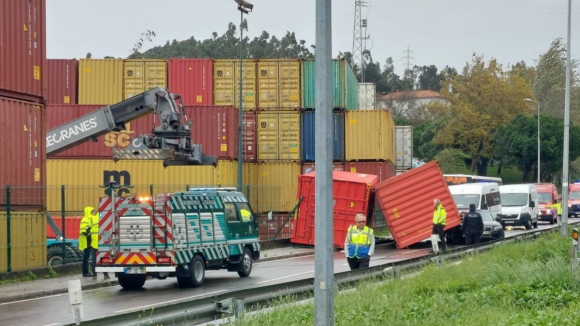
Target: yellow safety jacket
95 230
439 215
246 215
557 206
360 242
84 228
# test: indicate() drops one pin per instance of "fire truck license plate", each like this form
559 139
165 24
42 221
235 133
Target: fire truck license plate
135 270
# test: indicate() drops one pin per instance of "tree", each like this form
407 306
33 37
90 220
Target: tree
390 82
89 55
517 143
428 78
479 100
451 160
423 134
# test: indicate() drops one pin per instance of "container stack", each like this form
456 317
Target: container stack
404 145
22 176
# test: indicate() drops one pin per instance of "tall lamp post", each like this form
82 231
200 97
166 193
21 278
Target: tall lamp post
245 8
538 106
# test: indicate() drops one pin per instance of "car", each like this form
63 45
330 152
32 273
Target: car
492 229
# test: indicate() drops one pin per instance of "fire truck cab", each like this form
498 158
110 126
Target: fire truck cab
177 235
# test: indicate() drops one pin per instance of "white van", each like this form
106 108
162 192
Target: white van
485 196
519 205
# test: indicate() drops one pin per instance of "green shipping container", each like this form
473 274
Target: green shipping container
344 85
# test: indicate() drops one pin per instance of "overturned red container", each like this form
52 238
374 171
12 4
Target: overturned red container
406 202
351 193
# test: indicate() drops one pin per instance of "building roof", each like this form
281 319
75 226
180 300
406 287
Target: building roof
410 95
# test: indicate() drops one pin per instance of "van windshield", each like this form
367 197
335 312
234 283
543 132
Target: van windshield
463 200
544 197
513 200
574 194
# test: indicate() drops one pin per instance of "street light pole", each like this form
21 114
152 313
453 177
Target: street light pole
538 106
564 225
244 7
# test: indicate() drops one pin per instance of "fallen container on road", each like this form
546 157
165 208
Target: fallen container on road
406 201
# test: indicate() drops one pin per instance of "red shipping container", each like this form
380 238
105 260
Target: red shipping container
23 49
268 228
214 127
71 227
351 193
62 76
406 201
249 137
193 79
308 167
384 170
22 154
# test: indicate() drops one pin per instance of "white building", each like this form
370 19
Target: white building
409 104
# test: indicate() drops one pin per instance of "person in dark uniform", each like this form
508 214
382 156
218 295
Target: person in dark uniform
472 226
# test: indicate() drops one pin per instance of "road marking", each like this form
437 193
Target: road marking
33 299
281 278
281 259
176 300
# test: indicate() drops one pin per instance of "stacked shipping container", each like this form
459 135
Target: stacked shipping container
62 78
22 143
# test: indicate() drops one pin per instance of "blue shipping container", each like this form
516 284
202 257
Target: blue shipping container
307 127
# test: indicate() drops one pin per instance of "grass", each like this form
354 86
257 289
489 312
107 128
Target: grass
527 283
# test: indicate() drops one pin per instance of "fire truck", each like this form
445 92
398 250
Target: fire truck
180 235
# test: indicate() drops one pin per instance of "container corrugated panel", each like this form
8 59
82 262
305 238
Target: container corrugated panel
308 167
23 49
351 89
214 127
289 75
278 135
226 83
268 84
308 133
250 184
249 137
82 179
404 146
277 186
223 82
366 96
277 224
309 84
140 75
100 81
384 170
351 193
71 227
249 85
368 135
27 240
192 79
406 201
62 81
22 154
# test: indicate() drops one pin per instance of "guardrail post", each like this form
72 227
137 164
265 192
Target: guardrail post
63 228
8 239
239 307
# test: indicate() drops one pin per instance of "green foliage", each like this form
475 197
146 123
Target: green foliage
423 134
528 283
451 160
51 273
517 143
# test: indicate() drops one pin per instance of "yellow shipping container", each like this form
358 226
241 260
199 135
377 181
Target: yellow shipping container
289 84
140 75
392 140
27 240
268 84
83 178
226 83
277 186
278 135
369 135
100 81
250 183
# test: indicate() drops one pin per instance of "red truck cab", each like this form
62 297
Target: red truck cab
547 193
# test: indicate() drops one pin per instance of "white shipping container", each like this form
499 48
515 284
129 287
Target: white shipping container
404 147
366 96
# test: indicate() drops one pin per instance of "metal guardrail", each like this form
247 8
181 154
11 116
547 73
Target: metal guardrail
212 307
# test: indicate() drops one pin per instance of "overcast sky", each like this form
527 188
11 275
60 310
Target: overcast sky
439 32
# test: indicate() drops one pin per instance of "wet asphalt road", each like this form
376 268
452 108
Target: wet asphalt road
54 310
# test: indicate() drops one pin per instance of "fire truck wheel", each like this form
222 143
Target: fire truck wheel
197 271
132 282
246 264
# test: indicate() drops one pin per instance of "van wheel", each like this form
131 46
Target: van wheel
535 224
529 224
